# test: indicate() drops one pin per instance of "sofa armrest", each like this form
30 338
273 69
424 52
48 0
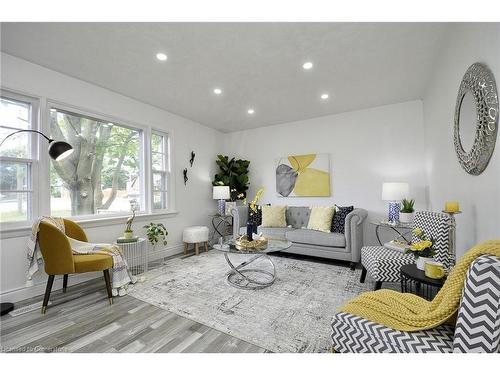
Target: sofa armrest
354 232
240 217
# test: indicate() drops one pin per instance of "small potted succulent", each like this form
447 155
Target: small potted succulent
422 248
407 210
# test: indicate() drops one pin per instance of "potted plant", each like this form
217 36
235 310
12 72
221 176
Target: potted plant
406 211
233 173
422 249
156 233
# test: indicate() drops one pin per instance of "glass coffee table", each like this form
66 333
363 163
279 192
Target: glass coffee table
243 277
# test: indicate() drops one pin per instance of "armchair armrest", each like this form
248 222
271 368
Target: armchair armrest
240 217
354 232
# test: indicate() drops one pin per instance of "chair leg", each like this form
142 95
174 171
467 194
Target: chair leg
108 286
65 283
352 266
197 248
363 274
206 246
378 285
185 248
48 289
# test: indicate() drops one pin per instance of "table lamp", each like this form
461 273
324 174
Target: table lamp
221 193
394 192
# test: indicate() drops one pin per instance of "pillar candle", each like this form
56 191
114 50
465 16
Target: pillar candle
451 207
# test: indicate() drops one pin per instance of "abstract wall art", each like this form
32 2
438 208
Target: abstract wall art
303 176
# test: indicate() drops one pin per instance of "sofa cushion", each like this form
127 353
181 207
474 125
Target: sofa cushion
313 237
321 218
338 222
273 216
298 217
277 233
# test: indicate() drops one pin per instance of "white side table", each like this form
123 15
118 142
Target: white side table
136 254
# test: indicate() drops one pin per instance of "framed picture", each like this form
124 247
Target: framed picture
303 176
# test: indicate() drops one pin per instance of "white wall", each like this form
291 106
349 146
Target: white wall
479 196
366 148
194 201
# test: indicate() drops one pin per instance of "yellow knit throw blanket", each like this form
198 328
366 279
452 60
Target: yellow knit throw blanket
408 312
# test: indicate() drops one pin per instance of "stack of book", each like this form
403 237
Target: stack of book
127 240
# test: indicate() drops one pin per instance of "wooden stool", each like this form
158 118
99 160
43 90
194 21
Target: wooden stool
195 235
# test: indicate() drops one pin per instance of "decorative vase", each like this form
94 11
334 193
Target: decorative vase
249 230
128 234
406 217
420 261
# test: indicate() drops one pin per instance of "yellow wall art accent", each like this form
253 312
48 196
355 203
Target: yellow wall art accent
303 176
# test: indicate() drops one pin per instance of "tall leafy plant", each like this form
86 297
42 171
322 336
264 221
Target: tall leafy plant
233 173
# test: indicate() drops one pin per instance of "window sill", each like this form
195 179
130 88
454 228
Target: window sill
24 230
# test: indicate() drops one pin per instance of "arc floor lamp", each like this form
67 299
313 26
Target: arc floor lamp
58 150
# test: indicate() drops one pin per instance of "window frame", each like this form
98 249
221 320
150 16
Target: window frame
102 118
40 175
32 162
166 172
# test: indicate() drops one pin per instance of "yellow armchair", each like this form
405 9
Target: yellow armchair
59 259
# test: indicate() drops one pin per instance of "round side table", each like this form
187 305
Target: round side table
414 281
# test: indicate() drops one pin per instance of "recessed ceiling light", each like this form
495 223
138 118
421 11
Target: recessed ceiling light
161 56
251 111
217 91
307 65
110 124
325 96
53 110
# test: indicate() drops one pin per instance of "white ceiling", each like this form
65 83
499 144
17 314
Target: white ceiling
257 65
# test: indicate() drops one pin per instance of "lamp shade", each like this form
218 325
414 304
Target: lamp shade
58 150
395 191
221 192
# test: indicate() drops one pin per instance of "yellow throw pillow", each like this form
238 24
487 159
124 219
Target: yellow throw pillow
274 216
321 219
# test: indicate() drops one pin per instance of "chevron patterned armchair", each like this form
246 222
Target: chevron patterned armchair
477 329
384 265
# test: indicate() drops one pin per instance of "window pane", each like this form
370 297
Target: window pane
156 143
17 146
158 164
158 181
159 200
15 114
14 176
14 207
102 176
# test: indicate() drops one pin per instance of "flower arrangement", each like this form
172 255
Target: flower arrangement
423 247
256 199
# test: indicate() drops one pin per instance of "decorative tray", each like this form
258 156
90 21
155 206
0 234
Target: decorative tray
241 243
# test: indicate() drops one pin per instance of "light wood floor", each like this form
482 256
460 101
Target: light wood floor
81 320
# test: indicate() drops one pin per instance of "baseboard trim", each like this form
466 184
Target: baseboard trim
25 292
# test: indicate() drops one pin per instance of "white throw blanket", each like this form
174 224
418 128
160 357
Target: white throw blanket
121 277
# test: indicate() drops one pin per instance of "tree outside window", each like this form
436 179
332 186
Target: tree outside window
102 176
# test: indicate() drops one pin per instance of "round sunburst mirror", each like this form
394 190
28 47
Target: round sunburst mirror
476 119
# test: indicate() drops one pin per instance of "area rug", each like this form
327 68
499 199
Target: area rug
292 315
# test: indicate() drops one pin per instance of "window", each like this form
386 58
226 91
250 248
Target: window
103 175
17 156
159 170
